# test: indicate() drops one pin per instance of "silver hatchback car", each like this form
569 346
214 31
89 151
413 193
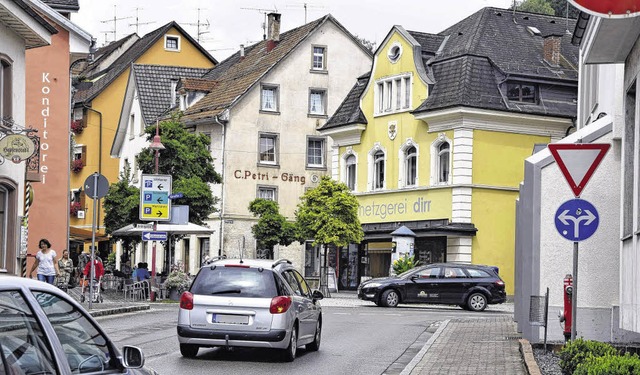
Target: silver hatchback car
250 303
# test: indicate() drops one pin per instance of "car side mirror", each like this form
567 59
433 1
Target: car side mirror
414 278
317 295
132 357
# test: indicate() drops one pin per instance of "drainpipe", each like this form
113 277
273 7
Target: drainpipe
224 136
99 152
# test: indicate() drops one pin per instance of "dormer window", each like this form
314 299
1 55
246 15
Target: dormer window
522 92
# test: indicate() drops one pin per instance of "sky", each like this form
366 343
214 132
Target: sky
225 24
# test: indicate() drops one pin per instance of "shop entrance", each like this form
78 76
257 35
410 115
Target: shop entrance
348 267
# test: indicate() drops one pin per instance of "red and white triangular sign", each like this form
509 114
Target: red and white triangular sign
578 161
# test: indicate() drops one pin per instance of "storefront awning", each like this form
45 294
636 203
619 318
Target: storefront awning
422 228
85 235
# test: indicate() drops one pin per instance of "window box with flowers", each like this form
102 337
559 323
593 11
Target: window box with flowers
77 165
77 126
74 208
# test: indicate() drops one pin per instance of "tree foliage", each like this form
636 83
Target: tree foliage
558 8
272 228
328 213
121 206
371 46
187 159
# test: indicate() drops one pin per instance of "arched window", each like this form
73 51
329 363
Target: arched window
444 157
411 166
378 170
350 172
5 89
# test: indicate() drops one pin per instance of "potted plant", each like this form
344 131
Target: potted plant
77 165
176 283
77 126
74 208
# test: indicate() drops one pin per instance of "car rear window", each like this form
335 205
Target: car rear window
477 273
235 282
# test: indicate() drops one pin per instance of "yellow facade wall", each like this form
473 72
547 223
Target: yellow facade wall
493 213
498 157
189 55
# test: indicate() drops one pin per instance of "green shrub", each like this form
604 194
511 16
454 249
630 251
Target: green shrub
610 365
577 351
404 264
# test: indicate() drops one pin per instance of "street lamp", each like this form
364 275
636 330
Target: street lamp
156 146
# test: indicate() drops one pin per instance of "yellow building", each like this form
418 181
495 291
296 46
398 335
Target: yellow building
98 103
434 139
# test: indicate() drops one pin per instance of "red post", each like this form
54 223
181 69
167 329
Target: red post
567 294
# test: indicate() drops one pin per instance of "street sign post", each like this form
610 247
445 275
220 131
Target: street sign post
577 219
155 204
96 186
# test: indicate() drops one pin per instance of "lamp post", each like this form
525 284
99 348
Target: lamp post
156 146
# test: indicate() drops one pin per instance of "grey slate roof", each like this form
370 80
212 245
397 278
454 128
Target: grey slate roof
154 86
50 28
130 56
349 111
65 5
483 50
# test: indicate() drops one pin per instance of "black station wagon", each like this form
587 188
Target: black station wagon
471 287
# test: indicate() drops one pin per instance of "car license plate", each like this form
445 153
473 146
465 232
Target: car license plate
230 319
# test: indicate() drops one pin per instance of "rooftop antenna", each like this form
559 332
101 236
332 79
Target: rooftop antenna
138 23
115 20
198 24
264 24
306 6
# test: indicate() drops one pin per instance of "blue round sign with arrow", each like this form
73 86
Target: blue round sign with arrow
576 220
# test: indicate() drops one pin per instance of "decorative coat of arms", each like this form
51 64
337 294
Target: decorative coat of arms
392 130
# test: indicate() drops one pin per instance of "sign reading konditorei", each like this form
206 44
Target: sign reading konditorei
17 147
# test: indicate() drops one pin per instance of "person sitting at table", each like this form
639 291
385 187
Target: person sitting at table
142 273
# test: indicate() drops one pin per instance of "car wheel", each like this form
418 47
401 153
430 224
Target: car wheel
289 354
390 298
315 344
188 350
477 302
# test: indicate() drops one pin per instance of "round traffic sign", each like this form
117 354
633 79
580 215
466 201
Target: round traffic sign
609 8
576 220
96 186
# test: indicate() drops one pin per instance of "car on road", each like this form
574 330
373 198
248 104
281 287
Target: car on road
257 303
44 331
471 287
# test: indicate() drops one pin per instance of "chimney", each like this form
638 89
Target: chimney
273 36
551 49
242 51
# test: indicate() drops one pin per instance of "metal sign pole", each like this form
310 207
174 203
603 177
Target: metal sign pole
93 239
574 296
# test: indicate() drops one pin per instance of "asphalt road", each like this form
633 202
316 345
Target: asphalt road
355 340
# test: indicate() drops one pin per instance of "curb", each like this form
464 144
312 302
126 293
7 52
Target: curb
418 358
530 363
118 310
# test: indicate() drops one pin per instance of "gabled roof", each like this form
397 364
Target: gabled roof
349 111
197 84
236 75
130 56
154 86
64 5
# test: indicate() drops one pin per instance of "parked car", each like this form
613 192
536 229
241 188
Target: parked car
44 331
471 287
255 303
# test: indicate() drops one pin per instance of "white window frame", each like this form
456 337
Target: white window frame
403 157
132 126
274 137
276 98
323 102
345 170
6 87
323 152
168 37
373 183
261 189
322 56
393 94
435 160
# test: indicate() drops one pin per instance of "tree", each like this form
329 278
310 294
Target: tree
536 6
561 8
121 206
328 213
371 46
272 228
187 159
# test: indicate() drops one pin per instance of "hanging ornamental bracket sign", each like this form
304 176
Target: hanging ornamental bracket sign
18 144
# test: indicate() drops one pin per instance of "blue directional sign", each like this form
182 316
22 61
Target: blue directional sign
154 236
576 220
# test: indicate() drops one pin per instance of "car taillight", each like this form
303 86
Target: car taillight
280 304
499 283
186 301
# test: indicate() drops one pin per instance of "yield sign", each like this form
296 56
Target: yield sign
578 161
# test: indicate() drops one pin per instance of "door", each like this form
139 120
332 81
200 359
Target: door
301 304
422 286
453 285
431 250
349 267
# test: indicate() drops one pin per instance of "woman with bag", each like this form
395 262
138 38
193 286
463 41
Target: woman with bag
65 265
45 262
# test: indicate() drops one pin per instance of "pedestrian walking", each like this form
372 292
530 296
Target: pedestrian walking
45 263
65 266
